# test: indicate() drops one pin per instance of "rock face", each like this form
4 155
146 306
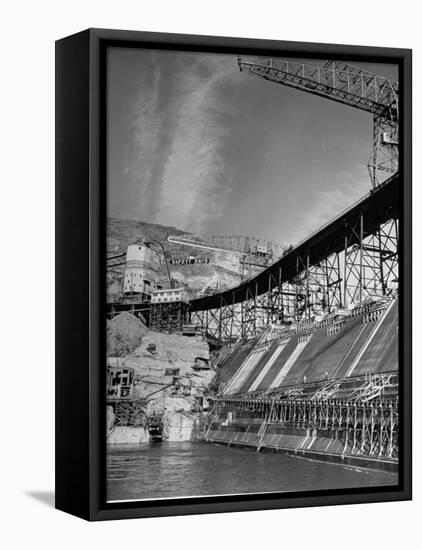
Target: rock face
124 334
222 272
172 373
178 426
159 354
127 435
179 417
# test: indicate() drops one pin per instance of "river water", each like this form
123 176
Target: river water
178 469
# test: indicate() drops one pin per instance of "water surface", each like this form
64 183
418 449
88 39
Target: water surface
177 469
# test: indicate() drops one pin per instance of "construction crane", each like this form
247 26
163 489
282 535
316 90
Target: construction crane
351 86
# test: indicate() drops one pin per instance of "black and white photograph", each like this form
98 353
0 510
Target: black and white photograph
252 274
210 242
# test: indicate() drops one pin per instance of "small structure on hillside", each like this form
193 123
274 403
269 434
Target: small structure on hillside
169 309
201 364
120 381
172 371
168 295
141 272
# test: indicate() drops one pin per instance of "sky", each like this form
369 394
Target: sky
194 143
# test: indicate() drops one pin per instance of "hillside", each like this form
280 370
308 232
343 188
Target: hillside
222 271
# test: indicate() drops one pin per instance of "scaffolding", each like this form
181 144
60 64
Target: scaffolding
353 258
169 316
363 427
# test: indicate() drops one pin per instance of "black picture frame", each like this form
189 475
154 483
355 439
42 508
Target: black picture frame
80 281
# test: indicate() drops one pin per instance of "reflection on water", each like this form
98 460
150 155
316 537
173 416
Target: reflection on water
195 469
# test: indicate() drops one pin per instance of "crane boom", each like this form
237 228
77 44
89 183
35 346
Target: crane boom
337 81
351 86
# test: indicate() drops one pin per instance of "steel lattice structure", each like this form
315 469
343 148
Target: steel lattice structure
349 259
351 86
168 317
353 257
364 429
361 413
129 411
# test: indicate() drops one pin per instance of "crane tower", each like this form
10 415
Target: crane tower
351 86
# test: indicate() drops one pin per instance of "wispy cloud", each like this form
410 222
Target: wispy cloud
199 145
180 130
147 129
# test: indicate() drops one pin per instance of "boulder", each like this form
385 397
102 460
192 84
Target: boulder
124 333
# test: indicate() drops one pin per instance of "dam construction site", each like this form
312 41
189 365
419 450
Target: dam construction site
325 389
295 350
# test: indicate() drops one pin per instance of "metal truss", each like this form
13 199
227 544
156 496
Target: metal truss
371 265
318 286
363 388
168 317
363 260
128 412
351 86
365 429
384 158
366 267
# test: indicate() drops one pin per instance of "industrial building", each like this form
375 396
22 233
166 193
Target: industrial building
167 295
141 271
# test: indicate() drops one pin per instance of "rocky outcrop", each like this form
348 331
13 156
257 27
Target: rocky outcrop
172 372
160 355
180 417
124 333
178 426
127 435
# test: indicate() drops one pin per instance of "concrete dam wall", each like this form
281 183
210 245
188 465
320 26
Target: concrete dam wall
366 342
326 389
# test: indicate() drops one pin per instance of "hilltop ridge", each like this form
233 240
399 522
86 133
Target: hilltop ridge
220 270
214 270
